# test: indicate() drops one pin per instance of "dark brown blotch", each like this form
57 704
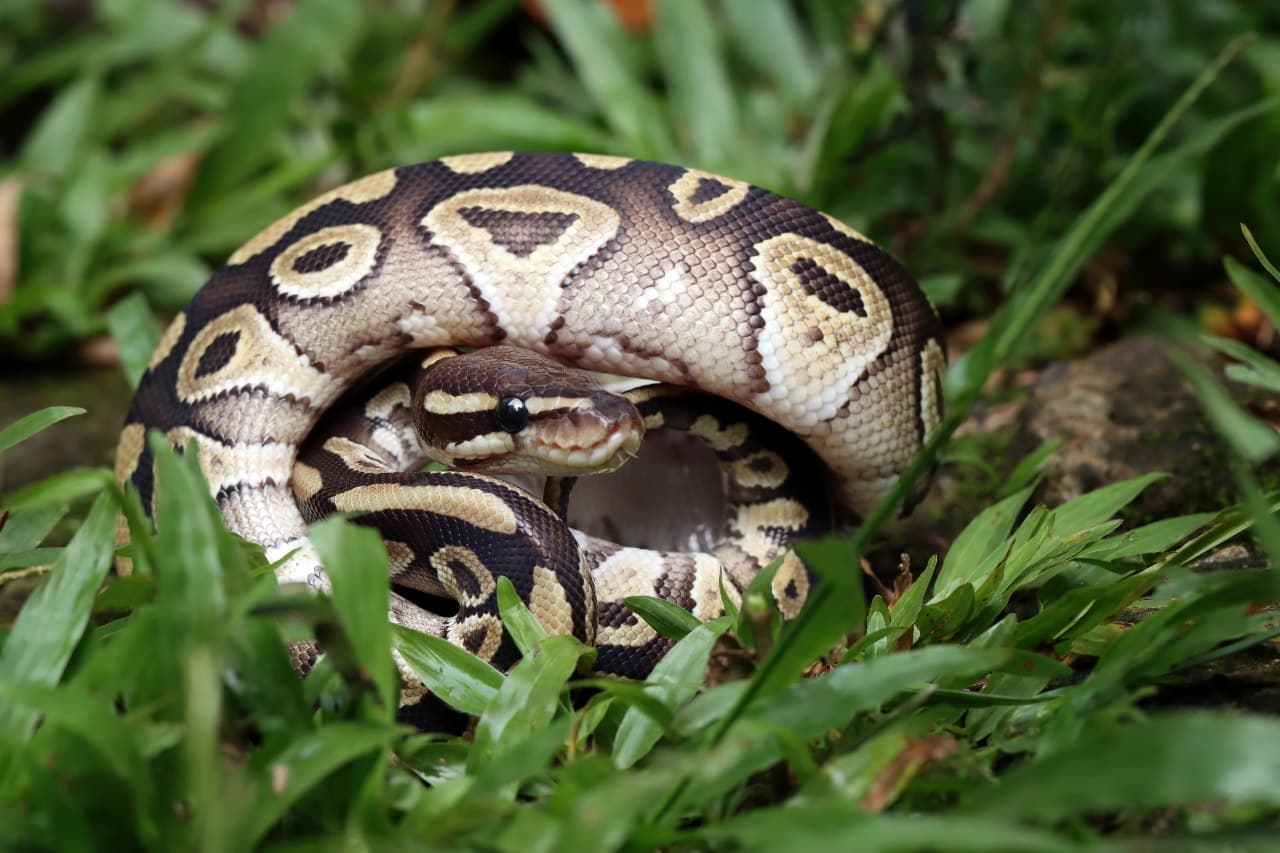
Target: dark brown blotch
519 233
321 258
830 288
218 354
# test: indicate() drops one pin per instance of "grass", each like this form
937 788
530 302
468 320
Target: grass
999 700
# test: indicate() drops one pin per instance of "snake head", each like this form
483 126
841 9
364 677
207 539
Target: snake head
507 410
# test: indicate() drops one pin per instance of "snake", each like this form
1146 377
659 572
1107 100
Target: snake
363 333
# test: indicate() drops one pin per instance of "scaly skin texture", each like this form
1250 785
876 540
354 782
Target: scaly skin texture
603 263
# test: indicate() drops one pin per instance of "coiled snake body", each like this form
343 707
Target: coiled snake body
601 263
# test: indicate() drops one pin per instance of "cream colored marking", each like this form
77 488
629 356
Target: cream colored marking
369 188
686 186
133 439
667 290
384 404
481 446
655 420
791 571
769 478
168 340
400 556
263 359
845 229
751 521
444 403
306 482
707 576
362 243
548 604
442 560
355 455
227 465
932 364
645 393
435 356
538 405
473 506
720 438
471 164
602 161
492 627
522 291
810 380
630 571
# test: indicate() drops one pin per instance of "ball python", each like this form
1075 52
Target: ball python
600 263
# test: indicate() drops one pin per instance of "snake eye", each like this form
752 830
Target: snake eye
512 414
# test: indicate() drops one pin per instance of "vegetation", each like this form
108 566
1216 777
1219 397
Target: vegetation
1022 159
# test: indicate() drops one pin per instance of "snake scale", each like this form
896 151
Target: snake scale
810 360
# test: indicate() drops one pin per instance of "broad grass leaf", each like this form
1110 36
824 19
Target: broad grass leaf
769 35
302 766
134 331
1152 538
674 680
315 35
1093 508
814 706
840 826
527 699
53 619
49 816
1178 758
62 488
669 620
834 609
692 61
28 425
977 549
455 675
476 120
357 566
521 624
111 737
62 133
589 33
24 529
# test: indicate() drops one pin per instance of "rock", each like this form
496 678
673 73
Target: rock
1123 411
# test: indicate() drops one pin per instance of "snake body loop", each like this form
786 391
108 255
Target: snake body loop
601 263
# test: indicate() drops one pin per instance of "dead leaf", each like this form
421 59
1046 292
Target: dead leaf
905 765
158 195
10 237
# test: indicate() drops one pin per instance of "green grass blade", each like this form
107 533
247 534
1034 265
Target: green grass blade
673 682
594 42
302 766
692 60
52 621
357 566
520 623
134 331
28 425
455 675
769 35
1180 758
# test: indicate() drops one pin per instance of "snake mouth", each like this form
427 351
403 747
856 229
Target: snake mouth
576 449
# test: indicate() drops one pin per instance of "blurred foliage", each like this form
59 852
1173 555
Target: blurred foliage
1000 699
142 140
